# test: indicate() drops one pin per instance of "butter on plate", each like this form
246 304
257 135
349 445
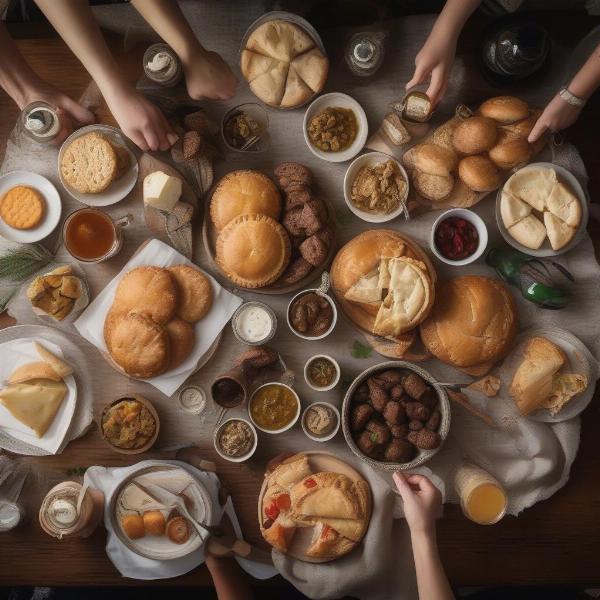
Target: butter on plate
161 191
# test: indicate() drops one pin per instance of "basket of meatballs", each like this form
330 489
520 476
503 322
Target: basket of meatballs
395 416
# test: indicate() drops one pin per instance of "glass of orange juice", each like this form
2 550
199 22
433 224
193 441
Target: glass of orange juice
482 497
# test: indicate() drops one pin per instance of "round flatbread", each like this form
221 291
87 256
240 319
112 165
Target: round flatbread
181 340
195 293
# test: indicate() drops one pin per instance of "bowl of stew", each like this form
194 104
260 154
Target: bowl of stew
274 407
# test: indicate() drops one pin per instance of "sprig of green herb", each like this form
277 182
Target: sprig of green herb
17 264
360 350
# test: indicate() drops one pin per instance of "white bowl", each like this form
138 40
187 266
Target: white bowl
235 459
332 433
343 101
473 218
364 160
335 380
333 321
290 424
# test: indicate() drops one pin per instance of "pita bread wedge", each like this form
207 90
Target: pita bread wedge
327 543
63 368
564 205
253 65
512 210
532 186
279 39
559 233
296 91
313 68
529 231
289 472
270 86
34 370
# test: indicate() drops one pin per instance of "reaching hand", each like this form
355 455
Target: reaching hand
557 115
208 76
422 501
434 59
140 120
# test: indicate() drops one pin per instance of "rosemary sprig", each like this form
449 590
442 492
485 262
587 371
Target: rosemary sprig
17 264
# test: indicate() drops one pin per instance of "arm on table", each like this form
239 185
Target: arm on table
207 75
139 119
230 582
437 54
559 114
422 501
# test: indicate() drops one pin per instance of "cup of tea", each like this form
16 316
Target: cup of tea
230 389
90 235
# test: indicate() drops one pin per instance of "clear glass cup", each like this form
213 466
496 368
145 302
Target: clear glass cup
170 74
256 113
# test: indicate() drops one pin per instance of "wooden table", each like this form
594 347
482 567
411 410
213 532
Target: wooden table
554 542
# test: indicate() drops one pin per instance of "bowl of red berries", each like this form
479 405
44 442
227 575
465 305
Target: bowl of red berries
458 237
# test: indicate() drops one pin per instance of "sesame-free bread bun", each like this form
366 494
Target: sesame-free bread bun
241 193
523 128
510 151
433 187
435 160
475 322
504 109
474 135
479 173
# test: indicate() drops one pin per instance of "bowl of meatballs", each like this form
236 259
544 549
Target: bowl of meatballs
395 416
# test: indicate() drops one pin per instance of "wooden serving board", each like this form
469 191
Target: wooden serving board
319 461
209 238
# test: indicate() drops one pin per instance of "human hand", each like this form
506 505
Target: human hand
435 59
207 75
141 121
422 501
557 115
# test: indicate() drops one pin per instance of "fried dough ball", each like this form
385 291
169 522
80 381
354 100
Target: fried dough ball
360 416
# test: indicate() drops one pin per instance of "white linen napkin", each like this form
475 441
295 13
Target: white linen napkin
91 322
130 564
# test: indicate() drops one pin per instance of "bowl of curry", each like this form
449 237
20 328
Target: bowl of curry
274 407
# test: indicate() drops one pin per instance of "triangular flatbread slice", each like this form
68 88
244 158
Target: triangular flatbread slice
327 543
366 289
353 529
270 86
532 186
279 536
559 233
253 65
313 67
296 91
279 39
34 404
289 472
512 210
529 231
33 370
60 366
564 205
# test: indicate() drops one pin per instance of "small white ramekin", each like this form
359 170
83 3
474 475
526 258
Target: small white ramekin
333 321
332 433
235 459
333 383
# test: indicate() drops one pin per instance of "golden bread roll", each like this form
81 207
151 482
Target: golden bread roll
523 128
474 135
253 250
133 526
435 160
479 173
504 109
510 151
147 290
475 322
181 341
194 292
154 522
433 187
241 193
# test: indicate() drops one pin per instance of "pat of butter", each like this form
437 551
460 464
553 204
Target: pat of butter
161 191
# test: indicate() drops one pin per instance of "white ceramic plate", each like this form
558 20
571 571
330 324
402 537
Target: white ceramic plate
546 249
119 188
20 352
336 99
52 209
367 160
579 360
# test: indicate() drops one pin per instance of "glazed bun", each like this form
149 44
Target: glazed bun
504 109
510 151
474 135
479 173
433 187
154 522
435 160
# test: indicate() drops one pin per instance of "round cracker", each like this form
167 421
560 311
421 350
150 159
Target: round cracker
22 207
195 293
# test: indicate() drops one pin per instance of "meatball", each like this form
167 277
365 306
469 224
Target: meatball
313 250
429 398
292 174
378 395
362 393
396 392
415 425
313 216
399 432
297 270
414 385
294 222
380 432
425 439
415 410
434 420
297 197
366 443
399 451
391 377
360 416
394 413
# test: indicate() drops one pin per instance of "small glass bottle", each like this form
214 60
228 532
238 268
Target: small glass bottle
41 122
365 52
162 65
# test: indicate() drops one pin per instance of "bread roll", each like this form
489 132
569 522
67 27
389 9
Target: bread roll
435 160
504 109
523 128
433 187
474 135
510 151
479 173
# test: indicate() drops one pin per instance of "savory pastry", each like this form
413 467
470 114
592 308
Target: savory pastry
154 522
479 173
181 341
504 109
474 135
270 87
474 326
243 192
58 364
128 424
89 164
133 526
178 530
253 250
327 543
33 370
296 92
194 292
564 388
279 39
312 68
22 207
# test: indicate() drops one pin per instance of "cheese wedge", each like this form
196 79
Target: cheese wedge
559 233
34 370
564 387
61 367
513 210
529 231
564 205
532 186
35 403
161 191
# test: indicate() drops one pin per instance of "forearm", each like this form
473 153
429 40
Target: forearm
230 582
431 578
453 17
587 79
74 21
166 18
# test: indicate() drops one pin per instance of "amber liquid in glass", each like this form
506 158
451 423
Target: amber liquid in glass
90 235
485 503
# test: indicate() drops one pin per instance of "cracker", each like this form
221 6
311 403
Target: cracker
22 207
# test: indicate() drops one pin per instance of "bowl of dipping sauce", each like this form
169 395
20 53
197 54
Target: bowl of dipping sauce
321 372
235 440
458 237
192 399
311 315
321 421
274 407
254 323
